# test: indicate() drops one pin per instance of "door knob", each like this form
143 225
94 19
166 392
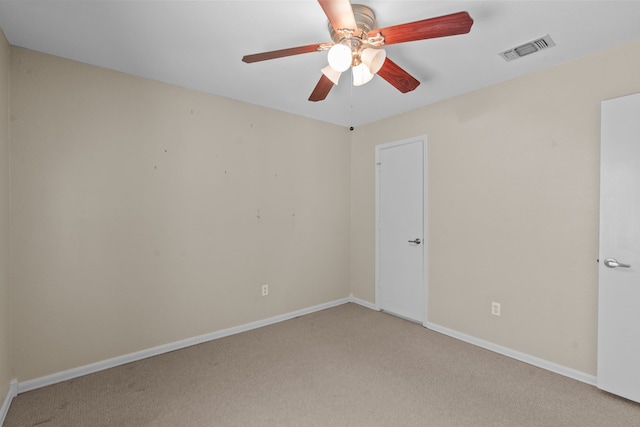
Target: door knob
417 241
613 263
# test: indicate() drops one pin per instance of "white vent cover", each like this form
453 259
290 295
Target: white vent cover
528 48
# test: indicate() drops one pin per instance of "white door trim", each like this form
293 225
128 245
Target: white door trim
425 238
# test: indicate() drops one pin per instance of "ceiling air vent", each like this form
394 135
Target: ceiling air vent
528 48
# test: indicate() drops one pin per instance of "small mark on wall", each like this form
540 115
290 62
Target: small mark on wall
258 213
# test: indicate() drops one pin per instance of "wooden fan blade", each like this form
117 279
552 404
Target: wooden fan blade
281 53
340 14
321 90
442 26
398 77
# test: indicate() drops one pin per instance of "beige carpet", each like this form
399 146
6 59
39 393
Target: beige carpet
345 366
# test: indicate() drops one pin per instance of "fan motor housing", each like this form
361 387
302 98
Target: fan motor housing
365 20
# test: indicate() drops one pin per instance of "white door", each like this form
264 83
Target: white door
400 239
619 266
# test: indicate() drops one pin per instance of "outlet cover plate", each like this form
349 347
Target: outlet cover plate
495 308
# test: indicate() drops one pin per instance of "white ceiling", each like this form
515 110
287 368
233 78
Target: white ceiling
199 45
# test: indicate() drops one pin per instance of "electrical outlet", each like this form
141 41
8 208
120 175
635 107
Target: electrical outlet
495 308
265 290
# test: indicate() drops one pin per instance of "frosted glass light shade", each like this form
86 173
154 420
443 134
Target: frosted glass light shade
331 74
361 74
339 57
373 58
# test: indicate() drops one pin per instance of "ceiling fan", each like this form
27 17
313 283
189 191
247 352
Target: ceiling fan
358 44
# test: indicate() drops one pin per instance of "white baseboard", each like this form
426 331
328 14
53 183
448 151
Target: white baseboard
364 303
11 393
33 384
24 386
523 357
505 351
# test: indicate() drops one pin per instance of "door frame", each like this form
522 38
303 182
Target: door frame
425 232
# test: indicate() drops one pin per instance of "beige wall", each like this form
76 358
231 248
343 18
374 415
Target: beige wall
145 213
513 206
5 317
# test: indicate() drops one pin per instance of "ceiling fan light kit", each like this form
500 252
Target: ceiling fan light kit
353 49
357 44
361 74
331 74
340 57
373 59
